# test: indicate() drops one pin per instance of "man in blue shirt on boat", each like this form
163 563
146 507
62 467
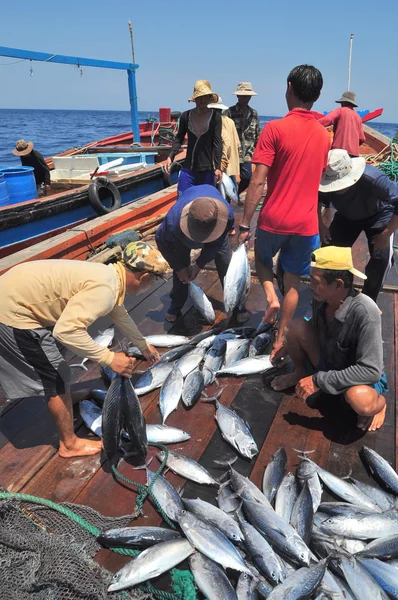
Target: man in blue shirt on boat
200 219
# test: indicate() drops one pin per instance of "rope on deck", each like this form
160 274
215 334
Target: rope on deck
386 160
181 581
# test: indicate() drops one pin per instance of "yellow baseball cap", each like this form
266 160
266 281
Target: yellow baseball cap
335 259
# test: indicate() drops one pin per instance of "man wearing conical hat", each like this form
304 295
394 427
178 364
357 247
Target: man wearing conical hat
247 125
348 133
202 125
57 300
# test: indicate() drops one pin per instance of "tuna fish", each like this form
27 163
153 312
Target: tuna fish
235 280
380 469
133 421
247 490
211 542
166 495
237 349
282 537
234 429
265 559
188 468
163 434
384 548
303 514
274 473
211 578
192 388
215 356
246 588
201 303
306 471
166 340
170 393
151 563
136 537
104 339
286 497
217 517
301 584
247 366
112 418
360 580
190 360
175 353
385 575
92 416
153 378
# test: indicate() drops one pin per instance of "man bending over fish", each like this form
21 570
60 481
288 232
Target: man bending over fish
291 154
339 351
200 219
57 300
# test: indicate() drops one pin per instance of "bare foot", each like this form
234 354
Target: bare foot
271 312
372 423
284 382
81 447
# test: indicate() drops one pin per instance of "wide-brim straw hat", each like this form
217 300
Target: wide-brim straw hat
204 219
244 88
203 88
349 97
342 171
22 148
218 105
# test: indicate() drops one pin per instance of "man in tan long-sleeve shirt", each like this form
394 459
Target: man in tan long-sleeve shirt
67 297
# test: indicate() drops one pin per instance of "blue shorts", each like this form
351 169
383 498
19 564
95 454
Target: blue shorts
294 250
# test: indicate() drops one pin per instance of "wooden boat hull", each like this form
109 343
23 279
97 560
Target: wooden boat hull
30 222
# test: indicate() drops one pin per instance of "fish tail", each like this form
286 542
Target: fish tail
303 453
226 463
144 466
79 366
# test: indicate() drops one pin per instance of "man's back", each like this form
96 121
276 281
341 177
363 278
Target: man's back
347 128
296 150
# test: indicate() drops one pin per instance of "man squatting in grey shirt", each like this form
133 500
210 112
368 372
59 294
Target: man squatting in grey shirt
338 351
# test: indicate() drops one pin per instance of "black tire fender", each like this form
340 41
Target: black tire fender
100 189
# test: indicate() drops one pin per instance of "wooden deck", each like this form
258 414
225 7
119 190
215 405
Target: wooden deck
28 443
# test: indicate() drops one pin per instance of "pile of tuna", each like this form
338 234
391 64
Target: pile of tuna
183 373
278 543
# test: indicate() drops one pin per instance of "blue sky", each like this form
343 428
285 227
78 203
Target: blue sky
178 42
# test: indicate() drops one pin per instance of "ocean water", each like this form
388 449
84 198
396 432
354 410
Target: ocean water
54 131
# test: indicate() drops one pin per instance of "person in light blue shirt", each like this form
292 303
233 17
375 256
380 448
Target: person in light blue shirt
200 219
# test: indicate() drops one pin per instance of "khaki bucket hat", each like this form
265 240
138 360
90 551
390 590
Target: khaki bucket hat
244 88
203 88
204 219
342 171
22 148
349 97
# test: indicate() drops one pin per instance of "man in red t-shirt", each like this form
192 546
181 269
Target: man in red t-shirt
348 133
291 154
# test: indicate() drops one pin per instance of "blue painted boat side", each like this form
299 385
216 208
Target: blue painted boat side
29 231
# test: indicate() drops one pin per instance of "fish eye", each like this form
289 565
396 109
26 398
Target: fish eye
302 555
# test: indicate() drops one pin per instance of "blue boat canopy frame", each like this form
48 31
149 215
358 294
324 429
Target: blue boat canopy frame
86 62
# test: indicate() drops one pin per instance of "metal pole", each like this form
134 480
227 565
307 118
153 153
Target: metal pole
349 63
132 41
133 93
134 105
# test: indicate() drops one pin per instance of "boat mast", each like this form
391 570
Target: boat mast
133 93
349 63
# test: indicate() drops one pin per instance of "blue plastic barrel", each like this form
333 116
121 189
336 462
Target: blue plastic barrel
4 197
21 183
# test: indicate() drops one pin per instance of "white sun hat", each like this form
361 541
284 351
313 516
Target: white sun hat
218 104
342 171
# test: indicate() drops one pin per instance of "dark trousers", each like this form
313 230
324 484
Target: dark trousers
245 176
179 293
188 178
344 232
